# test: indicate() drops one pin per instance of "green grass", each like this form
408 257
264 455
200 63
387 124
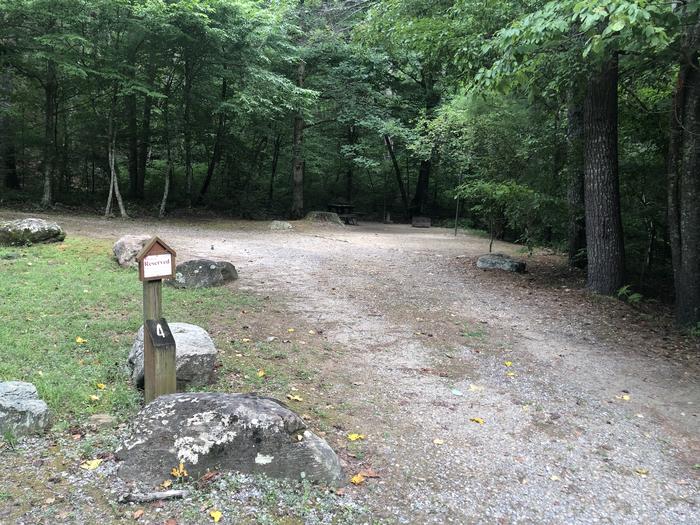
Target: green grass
53 294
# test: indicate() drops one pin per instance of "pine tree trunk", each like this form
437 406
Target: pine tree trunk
352 138
218 143
273 170
133 145
575 184
397 172
49 150
168 152
297 155
601 185
188 131
684 183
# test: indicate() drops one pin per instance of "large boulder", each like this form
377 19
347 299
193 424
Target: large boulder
203 273
30 231
499 261
324 217
195 356
226 433
128 247
21 410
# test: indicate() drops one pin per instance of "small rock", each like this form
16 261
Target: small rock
9 256
227 433
203 273
325 217
280 225
21 410
101 420
128 247
30 231
195 356
499 261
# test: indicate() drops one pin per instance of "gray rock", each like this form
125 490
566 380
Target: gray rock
30 231
203 273
195 356
128 247
280 225
324 217
224 432
499 261
420 222
21 410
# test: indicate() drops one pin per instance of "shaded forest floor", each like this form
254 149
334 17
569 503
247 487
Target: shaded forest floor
483 396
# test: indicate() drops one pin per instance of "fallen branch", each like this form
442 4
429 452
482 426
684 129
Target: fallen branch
139 497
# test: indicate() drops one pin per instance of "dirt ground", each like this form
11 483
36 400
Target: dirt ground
485 397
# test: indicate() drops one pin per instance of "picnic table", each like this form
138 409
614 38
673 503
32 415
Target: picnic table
346 212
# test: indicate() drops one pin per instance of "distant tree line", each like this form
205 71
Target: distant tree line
574 124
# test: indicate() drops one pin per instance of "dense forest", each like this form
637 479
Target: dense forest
573 124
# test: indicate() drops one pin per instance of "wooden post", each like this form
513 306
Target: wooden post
156 262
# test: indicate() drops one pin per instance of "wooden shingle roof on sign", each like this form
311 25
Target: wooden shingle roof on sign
153 247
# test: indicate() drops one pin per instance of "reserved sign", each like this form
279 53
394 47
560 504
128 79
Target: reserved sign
155 266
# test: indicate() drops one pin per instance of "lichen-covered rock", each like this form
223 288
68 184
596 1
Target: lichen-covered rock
499 261
280 225
195 356
128 247
227 433
324 217
203 273
30 231
21 410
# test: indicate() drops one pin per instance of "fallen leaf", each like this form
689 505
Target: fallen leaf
245 340
511 374
101 386
50 501
357 479
475 388
93 397
624 397
508 363
91 464
261 373
642 472
355 437
170 521
166 484
438 441
369 473
290 330
80 340
138 514
215 515
312 332
555 478
294 397
477 420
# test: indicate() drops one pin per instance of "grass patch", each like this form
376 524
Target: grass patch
50 295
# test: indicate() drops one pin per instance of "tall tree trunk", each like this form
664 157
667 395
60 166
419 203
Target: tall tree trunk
113 176
187 95
575 184
168 153
133 145
144 146
601 185
8 160
684 182
297 155
218 142
273 169
397 171
352 138
49 150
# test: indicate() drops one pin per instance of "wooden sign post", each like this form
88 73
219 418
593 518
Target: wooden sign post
156 262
